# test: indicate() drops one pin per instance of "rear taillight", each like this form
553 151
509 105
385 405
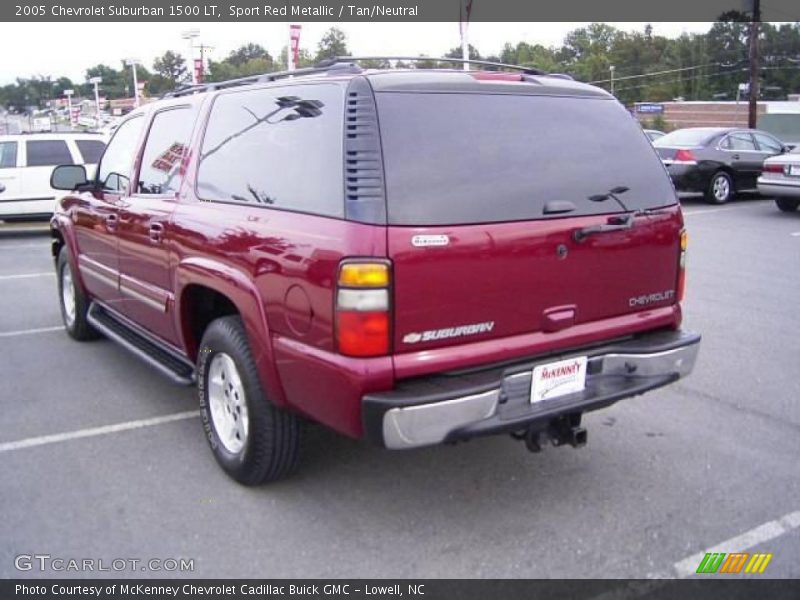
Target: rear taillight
362 308
773 168
682 265
685 156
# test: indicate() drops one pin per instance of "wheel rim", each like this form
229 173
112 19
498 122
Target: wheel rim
68 295
228 403
722 187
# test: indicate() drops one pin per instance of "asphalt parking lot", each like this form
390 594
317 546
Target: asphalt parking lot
709 464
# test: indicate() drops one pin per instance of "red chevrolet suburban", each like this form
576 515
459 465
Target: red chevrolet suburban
412 257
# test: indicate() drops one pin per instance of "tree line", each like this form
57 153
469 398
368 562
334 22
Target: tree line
646 67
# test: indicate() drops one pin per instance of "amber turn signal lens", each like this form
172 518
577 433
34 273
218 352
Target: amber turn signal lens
364 275
684 241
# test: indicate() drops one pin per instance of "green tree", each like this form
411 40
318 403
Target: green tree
332 44
247 53
171 66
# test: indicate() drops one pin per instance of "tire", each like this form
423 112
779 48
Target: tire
252 440
720 188
73 301
787 204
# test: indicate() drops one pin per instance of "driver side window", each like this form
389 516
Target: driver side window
117 161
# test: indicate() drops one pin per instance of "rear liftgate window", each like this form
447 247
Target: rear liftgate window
478 158
276 147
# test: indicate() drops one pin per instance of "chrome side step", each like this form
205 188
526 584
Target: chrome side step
175 367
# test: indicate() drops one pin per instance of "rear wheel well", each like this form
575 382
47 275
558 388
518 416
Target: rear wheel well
199 307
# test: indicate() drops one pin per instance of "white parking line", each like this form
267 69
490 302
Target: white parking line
18 246
95 431
30 331
706 211
28 275
758 535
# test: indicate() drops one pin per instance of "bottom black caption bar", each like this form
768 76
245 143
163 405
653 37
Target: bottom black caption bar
423 589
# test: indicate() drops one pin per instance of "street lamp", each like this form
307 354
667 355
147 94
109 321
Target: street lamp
95 81
133 62
190 35
612 68
68 94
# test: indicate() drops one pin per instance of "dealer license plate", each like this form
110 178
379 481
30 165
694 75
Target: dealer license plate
794 170
558 379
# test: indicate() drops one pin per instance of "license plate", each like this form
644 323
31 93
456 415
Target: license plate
558 379
794 170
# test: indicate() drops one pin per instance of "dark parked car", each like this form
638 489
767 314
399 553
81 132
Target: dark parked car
717 161
317 245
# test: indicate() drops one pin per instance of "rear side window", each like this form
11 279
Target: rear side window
8 155
166 146
48 153
91 150
480 158
739 141
276 147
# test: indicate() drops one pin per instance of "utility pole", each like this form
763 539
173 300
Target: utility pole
752 115
612 68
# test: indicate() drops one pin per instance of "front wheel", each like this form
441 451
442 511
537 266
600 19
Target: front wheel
253 440
787 204
720 188
73 301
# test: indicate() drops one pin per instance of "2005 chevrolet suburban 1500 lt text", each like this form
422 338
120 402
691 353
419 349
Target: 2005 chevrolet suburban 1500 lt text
411 257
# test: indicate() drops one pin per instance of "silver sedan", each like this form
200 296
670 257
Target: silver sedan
781 178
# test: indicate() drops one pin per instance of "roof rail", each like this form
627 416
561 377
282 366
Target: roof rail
337 65
344 63
485 63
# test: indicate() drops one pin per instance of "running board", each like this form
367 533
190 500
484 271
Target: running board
169 363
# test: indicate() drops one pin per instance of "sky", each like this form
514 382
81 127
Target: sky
29 49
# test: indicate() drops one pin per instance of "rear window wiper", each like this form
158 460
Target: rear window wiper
616 223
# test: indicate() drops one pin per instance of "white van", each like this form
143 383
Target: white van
26 162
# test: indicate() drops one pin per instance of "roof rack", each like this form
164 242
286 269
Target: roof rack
262 78
485 63
338 63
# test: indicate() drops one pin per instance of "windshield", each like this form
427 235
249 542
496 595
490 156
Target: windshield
685 138
484 158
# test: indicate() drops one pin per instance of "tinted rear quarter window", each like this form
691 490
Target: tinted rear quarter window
47 153
276 147
477 158
91 150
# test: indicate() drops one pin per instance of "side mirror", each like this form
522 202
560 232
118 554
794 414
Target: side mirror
68 177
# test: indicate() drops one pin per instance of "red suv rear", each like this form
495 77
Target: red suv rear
413 257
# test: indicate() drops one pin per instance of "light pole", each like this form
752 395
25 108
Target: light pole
190 35
133 62
95 81
68 94
612 68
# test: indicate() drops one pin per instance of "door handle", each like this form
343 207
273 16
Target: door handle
735 157
111 221
2 188
156 231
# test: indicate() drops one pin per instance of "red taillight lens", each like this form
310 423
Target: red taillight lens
362 333
685 156
363 323
773 168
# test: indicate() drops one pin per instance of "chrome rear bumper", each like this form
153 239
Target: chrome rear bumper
439 409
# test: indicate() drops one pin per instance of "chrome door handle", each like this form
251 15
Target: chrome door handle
156 231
